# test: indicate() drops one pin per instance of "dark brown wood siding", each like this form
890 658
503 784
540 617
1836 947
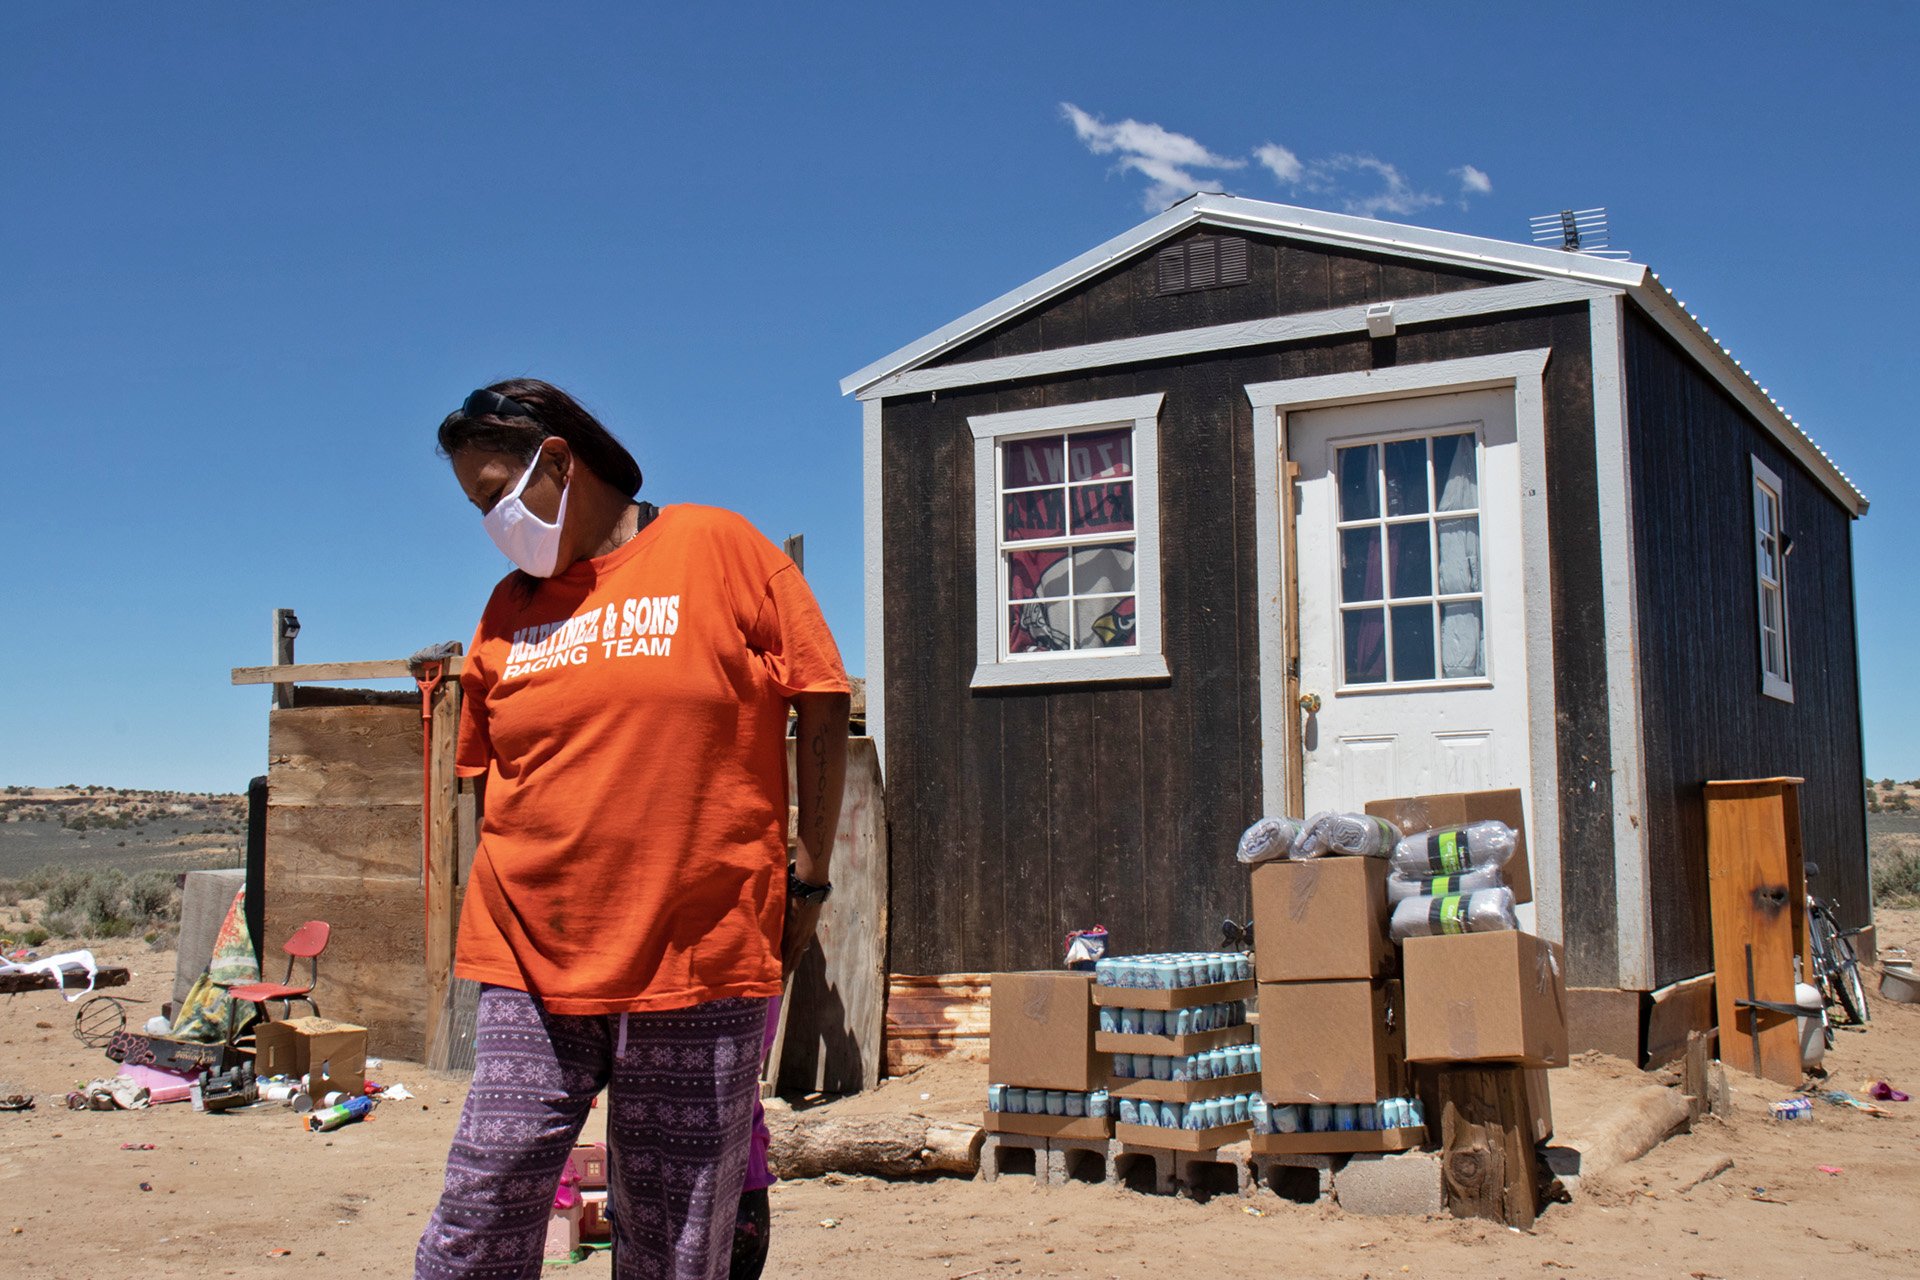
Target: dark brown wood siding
1705 715
1017 815
1282 279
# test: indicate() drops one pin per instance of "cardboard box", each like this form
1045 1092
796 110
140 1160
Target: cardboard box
1269 1144
1183 1090
1178 998
1329 1042
1041 1034
1320 920
589 1164
333 1055
1142 1135
1176 1045
1430 813
1486 997
1091 1127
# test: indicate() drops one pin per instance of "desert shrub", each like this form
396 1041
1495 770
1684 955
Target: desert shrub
1896 874
153 895
62 890
34 936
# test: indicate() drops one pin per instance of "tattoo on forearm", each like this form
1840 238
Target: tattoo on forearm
818 748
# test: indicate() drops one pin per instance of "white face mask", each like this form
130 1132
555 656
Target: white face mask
523 537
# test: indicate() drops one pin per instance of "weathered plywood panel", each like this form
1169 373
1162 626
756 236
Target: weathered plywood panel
839 988
375 842
344 755
344 846
372 972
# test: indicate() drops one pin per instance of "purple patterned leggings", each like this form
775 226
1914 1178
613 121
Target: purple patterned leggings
682 1087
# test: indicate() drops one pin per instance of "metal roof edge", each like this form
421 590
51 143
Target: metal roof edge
1263 216
1034 291
1671 314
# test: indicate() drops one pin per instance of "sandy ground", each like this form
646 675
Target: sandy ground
228 1191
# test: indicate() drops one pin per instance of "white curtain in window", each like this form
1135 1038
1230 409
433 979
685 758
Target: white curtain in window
1459 556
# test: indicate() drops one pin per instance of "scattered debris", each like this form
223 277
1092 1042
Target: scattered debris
1841 1098
136 1146
17 1102
1881 1091
1829 1168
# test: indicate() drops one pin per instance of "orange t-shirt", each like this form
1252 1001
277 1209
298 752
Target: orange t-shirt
631 720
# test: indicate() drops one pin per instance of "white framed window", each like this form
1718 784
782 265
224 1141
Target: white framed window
1411 592
1770 548
1067 543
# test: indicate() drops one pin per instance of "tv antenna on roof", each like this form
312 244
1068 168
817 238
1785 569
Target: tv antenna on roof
1576 231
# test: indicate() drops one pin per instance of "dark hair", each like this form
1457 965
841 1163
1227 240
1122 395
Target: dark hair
555 413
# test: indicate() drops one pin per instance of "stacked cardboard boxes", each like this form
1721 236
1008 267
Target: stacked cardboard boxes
1491 999
1132 1089
1041 1043
1331 1030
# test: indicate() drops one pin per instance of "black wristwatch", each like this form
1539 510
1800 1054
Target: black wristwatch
799 890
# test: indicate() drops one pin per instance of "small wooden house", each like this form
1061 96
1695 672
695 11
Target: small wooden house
1256 509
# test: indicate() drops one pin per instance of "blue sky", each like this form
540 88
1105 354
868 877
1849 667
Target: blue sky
253 253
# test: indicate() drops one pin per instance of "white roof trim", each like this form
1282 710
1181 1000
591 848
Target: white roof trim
1270 219
1398 240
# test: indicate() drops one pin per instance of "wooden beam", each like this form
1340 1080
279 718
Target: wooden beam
1487 1156
325 672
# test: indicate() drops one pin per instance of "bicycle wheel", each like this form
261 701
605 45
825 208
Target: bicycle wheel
1829 970
1853 992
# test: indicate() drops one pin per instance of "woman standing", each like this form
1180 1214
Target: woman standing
624 713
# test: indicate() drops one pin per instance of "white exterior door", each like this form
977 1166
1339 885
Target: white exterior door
1411 612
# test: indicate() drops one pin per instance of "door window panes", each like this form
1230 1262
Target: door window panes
1412 509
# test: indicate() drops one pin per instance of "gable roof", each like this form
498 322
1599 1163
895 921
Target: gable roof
1423 243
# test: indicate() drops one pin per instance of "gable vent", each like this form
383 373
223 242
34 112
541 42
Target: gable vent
1202 262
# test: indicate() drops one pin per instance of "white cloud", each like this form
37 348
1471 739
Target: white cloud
1283 163
1174 165
1165 158
1394 194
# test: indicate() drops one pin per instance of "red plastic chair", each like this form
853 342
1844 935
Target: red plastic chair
308 941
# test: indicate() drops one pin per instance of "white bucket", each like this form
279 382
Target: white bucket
1899 983
1813 1024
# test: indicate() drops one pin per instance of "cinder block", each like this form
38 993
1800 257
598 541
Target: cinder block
1144 1168
1079 1160
1013 1153
1224 1171
1398 1182
1302 1177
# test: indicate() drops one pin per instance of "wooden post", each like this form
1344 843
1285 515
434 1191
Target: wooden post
1487 1157
440 811
285 627
796 548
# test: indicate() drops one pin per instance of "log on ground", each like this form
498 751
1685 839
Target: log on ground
806 1144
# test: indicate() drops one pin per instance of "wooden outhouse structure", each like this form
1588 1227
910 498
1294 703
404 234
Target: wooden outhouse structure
1257 509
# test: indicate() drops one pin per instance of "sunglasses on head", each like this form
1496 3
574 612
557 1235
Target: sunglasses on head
491 404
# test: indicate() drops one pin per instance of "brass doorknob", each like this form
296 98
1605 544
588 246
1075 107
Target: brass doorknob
1310 703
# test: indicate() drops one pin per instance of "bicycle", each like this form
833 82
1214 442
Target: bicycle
1836 966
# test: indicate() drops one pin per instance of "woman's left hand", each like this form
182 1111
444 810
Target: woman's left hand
803 918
